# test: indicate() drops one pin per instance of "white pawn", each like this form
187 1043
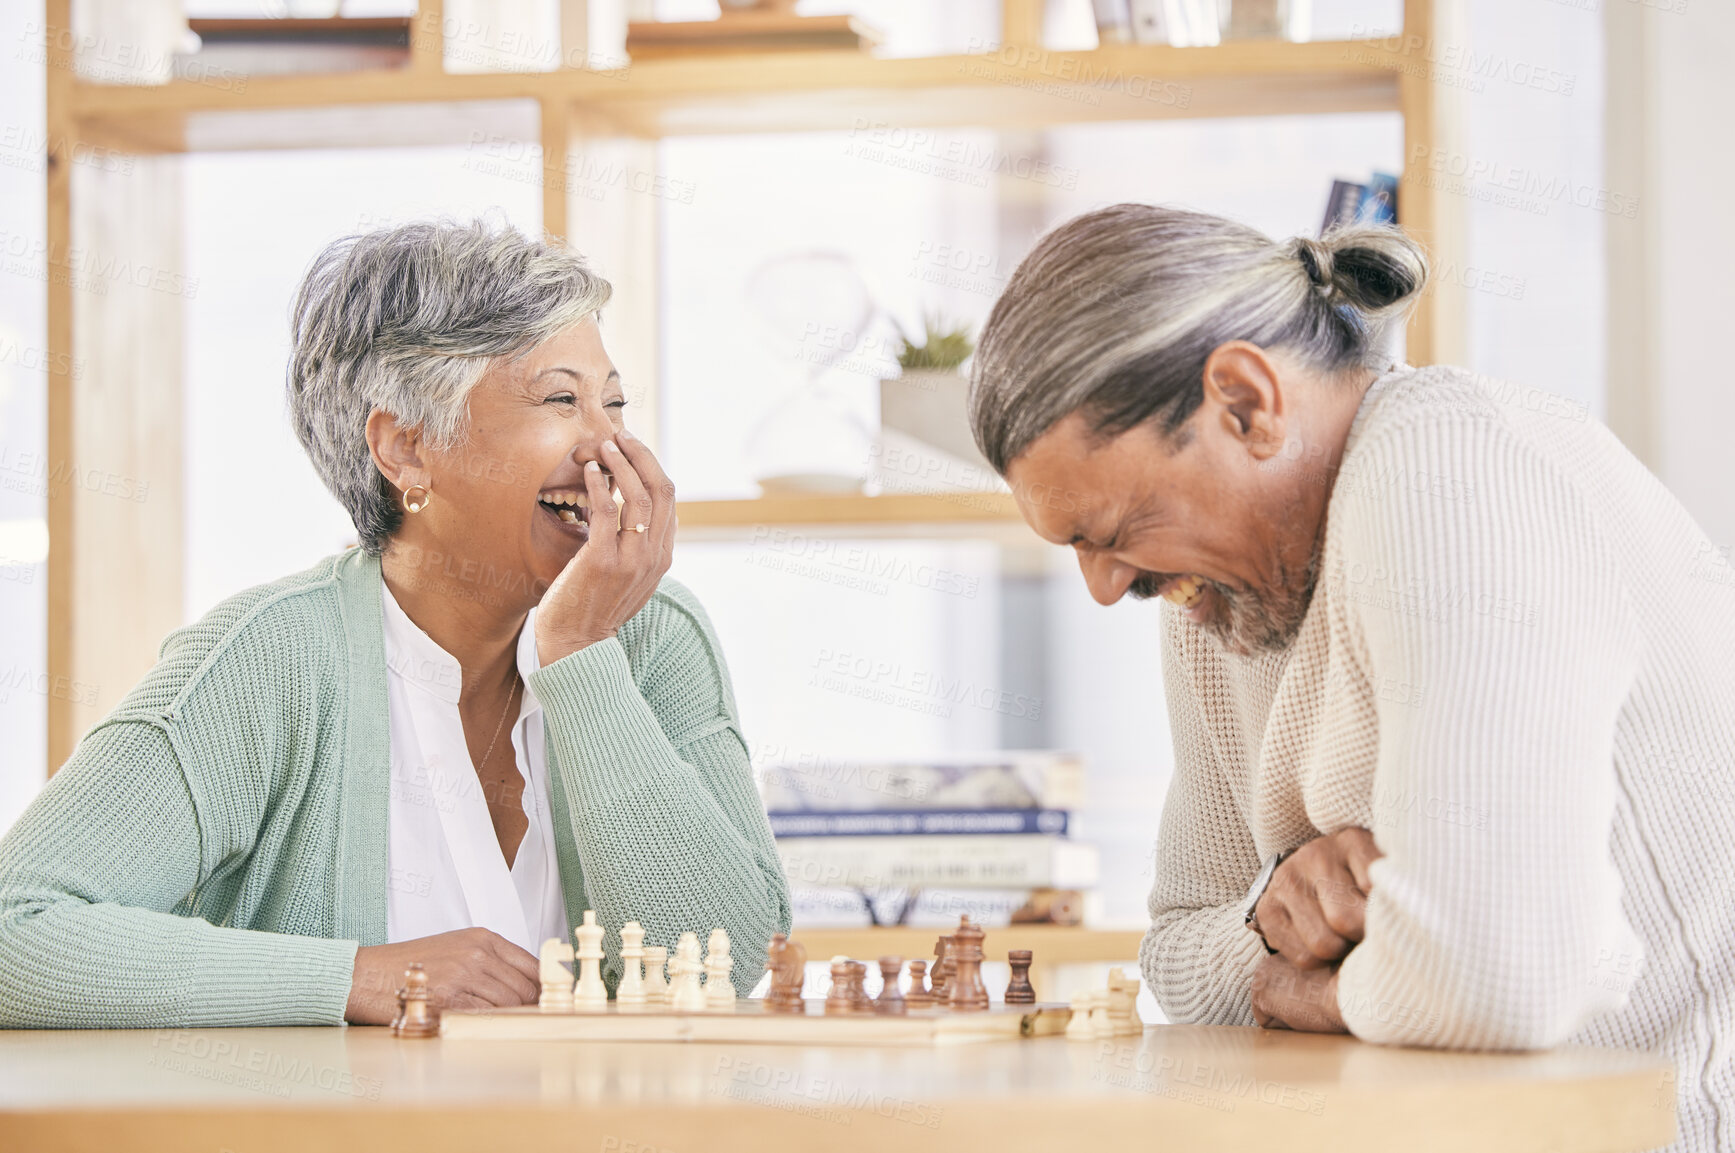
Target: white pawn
656 988
556 981
632 986
719 993
590 992
686 995
1079 1027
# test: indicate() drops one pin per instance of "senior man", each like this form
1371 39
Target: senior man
1451 676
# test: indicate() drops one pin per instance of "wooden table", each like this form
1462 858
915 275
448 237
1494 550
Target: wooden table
1174 1087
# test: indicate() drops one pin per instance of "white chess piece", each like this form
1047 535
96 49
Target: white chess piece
1123 996
590 992
687 996
656 988
1079 1027
1100 1024
719 993
556 981
632 986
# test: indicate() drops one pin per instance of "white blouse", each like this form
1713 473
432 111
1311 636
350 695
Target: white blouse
447 870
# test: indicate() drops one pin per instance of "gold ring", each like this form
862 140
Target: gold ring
637 527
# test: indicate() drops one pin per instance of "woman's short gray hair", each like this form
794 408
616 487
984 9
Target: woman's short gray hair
407 320
1115 313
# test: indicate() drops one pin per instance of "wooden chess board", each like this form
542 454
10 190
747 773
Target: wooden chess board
749 1023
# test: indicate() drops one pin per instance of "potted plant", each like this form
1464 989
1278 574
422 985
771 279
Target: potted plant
927 399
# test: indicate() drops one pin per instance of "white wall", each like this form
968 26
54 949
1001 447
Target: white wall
255 508
1695 171
23 411
1530 75
1671 96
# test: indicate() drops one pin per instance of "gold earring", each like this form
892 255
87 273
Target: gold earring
421 502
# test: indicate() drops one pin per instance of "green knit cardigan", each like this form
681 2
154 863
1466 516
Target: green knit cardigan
216 848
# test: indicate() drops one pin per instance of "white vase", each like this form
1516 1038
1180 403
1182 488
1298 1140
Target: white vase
931 405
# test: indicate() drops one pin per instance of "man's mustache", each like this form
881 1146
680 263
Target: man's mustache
1145 585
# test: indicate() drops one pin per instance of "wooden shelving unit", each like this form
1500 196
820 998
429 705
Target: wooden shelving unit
115 584
785 92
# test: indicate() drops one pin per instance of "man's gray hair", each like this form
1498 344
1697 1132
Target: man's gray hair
1115 312
407 320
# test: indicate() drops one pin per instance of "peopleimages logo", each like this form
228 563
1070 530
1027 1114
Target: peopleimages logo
1527 186
954 158
1458 64
889 682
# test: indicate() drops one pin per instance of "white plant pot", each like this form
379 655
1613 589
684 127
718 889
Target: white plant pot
930 405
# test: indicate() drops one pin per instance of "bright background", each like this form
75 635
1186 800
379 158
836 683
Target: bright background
256 511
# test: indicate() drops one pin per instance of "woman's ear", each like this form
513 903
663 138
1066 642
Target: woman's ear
1241 382
396 451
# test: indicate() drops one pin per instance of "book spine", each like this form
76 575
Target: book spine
1379 201
919 822
1343 203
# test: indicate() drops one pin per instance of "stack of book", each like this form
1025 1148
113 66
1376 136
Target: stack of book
986 834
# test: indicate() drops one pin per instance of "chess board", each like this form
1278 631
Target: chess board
749 1023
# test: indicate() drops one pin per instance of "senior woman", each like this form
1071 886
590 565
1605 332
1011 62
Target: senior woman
442 746
1451 677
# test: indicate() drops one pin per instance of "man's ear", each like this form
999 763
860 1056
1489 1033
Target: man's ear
396 451
1241 382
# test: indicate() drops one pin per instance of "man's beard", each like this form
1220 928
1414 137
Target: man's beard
1250 623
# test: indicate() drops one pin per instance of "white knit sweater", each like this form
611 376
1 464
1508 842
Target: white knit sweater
1517 671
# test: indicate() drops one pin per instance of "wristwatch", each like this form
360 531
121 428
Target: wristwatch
1257 890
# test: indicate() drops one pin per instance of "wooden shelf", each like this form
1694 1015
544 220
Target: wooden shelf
124 413
990 515
767 92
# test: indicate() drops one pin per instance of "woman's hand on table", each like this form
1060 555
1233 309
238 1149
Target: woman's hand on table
1286 996
616 572
467 969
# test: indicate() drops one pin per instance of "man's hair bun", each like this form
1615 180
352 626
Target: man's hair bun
1374 270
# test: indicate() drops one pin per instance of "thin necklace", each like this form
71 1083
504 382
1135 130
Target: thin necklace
491 740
